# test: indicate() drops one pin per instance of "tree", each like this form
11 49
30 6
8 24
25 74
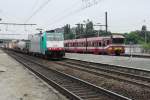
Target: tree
89 28
144 28
103 33
67 29
146 47
133 37
68 34
79 30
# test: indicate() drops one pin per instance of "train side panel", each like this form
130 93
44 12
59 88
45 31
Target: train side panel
111 45
35 46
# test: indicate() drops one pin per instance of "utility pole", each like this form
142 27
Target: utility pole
0 20
145 37
106 22
105 25
144 29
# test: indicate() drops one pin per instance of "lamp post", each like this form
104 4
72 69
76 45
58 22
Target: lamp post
145 37
0 20
144 28
131 46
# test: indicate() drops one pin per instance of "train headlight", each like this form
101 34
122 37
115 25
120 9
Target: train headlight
118 48
110 49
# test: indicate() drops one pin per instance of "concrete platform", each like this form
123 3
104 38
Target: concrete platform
139 63
141 54
17 83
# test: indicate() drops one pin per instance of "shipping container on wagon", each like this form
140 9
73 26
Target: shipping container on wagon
35 43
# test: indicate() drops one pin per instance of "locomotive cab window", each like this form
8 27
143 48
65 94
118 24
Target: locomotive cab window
55 37
118 40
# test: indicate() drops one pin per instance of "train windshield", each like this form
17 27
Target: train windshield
55 37
118 40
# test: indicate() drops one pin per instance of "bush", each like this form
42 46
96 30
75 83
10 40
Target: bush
146 47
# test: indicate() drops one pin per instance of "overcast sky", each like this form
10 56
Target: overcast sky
123 15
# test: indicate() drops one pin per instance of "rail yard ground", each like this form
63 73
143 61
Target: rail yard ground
17 83
126 82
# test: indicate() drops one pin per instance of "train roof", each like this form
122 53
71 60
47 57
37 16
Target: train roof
96 38
118 36
90 39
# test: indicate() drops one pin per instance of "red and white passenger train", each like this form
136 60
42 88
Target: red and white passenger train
111 45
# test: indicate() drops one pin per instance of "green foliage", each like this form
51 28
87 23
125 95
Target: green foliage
103 33
144 28
79 30
67 29
134 38
146 47
89 28
68 34
83 30
88 31
148 36
139 37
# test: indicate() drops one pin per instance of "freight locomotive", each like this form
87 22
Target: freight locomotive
48 44
111 45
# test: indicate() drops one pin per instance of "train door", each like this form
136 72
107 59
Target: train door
96 48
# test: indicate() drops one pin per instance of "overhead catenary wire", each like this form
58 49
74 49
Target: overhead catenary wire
64 11
35 4
38 10
60 18
72 13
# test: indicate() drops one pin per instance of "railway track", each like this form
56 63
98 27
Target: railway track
134 76
73 88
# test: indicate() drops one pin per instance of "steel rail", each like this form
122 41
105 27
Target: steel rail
81 87
134 71
130 78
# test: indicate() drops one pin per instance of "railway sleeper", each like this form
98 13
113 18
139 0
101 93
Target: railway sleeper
76 88
89 96
86 93
72 86
79 91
